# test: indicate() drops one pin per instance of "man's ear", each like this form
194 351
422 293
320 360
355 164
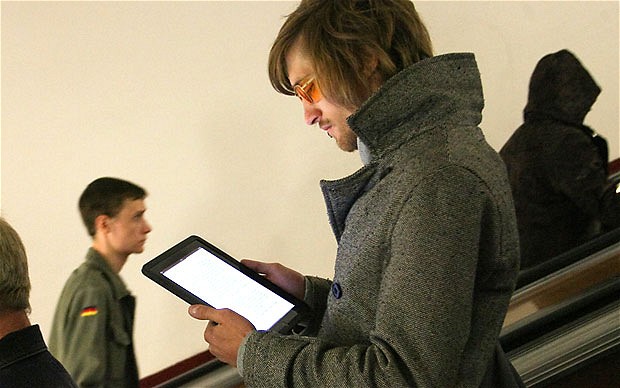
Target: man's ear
102 223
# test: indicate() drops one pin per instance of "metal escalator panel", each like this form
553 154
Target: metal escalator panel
568 347
566 319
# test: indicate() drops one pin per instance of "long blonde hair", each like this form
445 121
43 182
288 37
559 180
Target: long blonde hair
341 37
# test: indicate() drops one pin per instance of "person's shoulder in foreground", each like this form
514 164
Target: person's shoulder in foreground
25 361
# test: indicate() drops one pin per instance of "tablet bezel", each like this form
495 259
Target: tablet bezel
294 321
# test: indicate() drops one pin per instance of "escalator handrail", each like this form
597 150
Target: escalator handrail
567 258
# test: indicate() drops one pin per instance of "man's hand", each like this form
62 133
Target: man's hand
224 332
290 280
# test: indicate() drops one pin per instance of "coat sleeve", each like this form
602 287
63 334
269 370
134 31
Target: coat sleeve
431 315
316 297
85 338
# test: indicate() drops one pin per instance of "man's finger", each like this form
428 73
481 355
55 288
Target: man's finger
257 266
202 312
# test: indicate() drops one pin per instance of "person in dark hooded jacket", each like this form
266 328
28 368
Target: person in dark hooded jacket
557 166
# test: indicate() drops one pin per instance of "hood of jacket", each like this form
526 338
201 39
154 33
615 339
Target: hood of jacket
445 89
560 89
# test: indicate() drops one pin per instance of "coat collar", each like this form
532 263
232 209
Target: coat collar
20 344
439 91
435 91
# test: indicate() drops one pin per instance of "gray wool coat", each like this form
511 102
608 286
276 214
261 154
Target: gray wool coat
427 248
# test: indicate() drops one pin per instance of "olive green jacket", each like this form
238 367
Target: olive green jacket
93 325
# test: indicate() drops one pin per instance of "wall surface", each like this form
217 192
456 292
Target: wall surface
175 97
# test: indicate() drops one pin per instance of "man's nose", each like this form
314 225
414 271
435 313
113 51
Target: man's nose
311 113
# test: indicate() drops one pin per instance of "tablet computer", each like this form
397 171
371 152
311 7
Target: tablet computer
200 273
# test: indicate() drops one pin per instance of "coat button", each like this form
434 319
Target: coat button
337 290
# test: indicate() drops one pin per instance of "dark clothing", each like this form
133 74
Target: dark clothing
557 166
25 362
93 327
427 249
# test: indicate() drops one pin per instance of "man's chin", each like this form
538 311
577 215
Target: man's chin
347 147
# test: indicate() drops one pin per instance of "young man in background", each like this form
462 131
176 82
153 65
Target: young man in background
92 332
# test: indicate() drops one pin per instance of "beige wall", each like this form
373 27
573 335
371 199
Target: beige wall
174 96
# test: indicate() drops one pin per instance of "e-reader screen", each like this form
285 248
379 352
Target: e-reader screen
198 272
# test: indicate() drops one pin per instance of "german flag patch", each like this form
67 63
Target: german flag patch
89 311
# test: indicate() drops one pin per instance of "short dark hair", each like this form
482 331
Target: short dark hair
106 196
339 36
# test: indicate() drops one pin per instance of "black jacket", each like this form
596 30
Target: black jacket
557 166
25 362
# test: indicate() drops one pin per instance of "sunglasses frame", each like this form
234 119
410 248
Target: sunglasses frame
303 91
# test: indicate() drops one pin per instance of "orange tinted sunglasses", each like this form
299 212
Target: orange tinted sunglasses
308 91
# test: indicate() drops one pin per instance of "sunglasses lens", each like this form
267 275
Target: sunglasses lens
314 93
308 92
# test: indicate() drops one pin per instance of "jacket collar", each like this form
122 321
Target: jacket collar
95 260
435 91
20 344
